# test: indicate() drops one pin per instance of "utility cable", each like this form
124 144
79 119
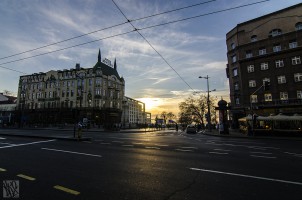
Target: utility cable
152 46
175 21
72 38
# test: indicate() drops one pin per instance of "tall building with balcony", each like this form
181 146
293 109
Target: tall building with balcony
70 95
264 64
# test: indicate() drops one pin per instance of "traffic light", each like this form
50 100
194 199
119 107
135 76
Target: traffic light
266 85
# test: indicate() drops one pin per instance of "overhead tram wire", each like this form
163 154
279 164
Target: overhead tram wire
113 26
153 26
152 46
41 54
12 69
203 15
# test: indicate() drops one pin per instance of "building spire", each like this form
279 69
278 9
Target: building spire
99 56
115 63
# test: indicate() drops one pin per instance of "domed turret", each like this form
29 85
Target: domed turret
222 103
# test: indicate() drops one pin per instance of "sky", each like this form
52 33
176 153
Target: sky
192 48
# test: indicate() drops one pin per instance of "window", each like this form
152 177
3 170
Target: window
283 96
68 83
254 99
292 44
279 63
63 93
71 93
50 94
90 82
236 86
250 68
268 97
248 54
299 94
264 66
235 72
299 26
233 46
252 83
296 60
298 77
277 48
262 51
254 38
237 101
266 80
275 32
234 58
98 82
281 79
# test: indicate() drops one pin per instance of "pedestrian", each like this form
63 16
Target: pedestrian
221 128
80 126
176 127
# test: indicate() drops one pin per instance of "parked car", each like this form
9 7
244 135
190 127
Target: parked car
191 129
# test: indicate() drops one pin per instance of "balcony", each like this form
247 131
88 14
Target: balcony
278 103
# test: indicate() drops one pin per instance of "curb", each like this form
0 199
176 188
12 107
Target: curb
47 137
254 137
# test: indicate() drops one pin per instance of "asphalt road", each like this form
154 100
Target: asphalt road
161 165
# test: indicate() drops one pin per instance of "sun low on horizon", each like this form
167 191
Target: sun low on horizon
156 105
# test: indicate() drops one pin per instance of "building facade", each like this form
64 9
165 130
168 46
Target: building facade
264 64
7 110
70 95
134 114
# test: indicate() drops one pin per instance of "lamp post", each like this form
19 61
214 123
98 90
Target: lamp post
208 102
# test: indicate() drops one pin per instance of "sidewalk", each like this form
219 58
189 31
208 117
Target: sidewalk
234 133
64 133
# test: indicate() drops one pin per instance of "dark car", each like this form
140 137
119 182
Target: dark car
191 129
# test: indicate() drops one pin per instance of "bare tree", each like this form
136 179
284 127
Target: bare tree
194 109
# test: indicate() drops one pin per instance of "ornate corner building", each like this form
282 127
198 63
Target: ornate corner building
68 96
264 64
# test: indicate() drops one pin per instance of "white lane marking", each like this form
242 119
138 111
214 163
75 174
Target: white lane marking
247 176
105 143
2 138
115 141
270 157
222 153
221 150
17 145
240 145
184 150
266 153
294 154
189 147
5 143
161 145
152 148
72 152
138 143
127 145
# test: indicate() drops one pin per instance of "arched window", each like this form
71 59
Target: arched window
275 32
254 38
298 26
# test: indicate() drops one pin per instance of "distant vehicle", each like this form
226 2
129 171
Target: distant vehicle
191 129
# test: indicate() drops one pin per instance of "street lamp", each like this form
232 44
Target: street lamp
208 102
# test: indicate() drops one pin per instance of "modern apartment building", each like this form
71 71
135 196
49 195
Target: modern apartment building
70 95
266 49
134 113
